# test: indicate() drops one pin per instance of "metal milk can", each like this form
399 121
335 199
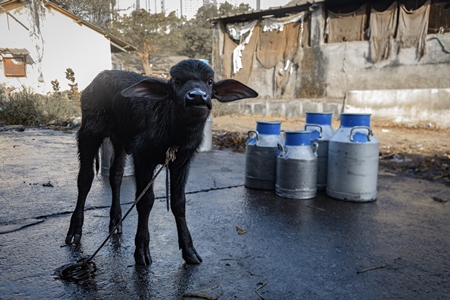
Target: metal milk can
261 155
296 175
353 160
106 152
321 131
206 144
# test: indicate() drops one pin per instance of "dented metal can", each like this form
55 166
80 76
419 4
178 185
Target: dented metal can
353 156
106 156
206 144
321 131
296 172
261 155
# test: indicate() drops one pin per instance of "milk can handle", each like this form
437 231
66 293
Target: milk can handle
255 132
369 133
281 148
314 125
315 147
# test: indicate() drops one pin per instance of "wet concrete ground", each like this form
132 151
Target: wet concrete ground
394 248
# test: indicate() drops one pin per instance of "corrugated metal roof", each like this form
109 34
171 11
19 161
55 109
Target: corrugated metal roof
280 11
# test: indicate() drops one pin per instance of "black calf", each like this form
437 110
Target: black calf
143 117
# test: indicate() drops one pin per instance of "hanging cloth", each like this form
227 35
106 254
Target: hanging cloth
246 31
382 30
412 28
279 39
244 57
227 62
347 27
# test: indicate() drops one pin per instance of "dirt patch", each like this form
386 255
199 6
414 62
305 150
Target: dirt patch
421 151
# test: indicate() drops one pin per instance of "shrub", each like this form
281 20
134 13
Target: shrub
28 108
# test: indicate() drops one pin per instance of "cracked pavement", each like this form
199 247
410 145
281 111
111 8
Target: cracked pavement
254 244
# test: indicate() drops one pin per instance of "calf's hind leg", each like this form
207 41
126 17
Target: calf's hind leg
116 172
87 150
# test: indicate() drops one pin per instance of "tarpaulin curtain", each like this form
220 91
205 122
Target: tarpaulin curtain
346 27
270 48
382 30
412 28
279 39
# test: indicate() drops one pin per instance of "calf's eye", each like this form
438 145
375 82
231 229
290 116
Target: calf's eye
210 82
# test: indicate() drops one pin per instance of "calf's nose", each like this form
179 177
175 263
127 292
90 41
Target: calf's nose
197 97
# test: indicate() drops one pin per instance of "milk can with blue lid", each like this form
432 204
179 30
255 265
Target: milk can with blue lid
261 155
296 175
319 123
353 155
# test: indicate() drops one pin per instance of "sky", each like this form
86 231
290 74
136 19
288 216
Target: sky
171 5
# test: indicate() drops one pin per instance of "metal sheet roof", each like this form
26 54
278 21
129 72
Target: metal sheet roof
280 11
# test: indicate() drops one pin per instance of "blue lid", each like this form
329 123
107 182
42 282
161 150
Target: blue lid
268 127
297 138
318 118
353 119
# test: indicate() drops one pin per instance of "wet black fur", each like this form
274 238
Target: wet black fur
144 116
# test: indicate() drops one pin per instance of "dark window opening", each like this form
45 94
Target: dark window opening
439 21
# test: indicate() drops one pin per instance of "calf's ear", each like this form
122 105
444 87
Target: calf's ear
230 90
147 88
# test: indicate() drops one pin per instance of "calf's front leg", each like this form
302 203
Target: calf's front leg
178 177
144 206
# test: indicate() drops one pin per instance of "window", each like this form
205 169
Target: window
14 66
14 61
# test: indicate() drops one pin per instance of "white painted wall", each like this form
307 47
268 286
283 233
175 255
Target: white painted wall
403 105
62 44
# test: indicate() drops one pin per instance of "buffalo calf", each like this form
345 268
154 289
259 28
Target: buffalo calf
144 116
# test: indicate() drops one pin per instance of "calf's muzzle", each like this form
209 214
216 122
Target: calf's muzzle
197 97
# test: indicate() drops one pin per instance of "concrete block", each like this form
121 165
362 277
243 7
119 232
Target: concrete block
404 105
276 109
334 108
260 109
293 109
309 106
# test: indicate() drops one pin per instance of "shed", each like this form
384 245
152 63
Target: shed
389 58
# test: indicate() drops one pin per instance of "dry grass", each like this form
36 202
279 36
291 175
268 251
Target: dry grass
222 109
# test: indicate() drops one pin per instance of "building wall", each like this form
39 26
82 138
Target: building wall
59 43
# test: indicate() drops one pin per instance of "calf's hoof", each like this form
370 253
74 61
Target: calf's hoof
113 224
191 256
73 238
142 257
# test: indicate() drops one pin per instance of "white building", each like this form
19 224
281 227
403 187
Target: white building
37 48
